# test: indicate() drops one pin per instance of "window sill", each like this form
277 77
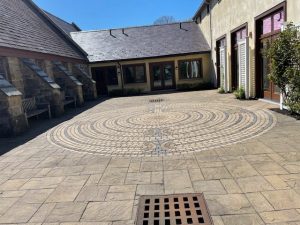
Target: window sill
136 83
191 79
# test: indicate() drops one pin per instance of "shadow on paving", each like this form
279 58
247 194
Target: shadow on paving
41 125
286 113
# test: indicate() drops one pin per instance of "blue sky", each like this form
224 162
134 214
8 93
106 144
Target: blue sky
104 14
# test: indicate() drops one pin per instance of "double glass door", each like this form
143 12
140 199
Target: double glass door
268 28
270 90
162 75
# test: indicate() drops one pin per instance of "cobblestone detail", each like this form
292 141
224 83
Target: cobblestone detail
163 128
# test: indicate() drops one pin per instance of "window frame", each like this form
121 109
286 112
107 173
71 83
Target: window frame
124 67
191 60
272 15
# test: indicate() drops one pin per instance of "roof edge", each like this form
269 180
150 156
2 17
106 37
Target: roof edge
151 57
205 2
157 25
57 27
76 26
72 23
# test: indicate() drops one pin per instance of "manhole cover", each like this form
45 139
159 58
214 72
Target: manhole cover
156 100
180 209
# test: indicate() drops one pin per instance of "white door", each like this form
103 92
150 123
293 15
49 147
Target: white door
243 57
223 68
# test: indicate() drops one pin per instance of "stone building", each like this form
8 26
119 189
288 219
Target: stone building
41 68
238 32
47 63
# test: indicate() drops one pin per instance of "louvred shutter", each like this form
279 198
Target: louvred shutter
243 57
223 69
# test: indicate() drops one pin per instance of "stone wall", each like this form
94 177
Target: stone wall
88 84
39 85
68 83
38 81
12 119
15 75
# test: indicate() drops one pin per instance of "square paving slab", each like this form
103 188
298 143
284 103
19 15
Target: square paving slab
93 168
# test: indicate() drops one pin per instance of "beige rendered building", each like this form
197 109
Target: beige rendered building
237 32
147 58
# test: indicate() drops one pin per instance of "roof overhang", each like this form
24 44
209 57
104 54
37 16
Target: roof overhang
202 6
152 57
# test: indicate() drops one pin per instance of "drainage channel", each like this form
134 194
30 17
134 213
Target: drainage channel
178 209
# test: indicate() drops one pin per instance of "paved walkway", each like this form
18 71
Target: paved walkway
92 168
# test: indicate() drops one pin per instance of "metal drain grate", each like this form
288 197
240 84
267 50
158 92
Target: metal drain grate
180 209
156 100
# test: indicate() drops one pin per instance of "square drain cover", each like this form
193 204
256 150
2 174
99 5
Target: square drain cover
181 209
156 100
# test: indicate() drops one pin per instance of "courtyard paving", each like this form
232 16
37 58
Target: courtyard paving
92 168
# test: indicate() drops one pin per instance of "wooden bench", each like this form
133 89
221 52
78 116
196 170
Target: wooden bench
32 108
70 98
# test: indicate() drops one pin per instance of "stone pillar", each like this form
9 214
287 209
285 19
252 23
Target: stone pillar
69 84
16 76
57 102
49 68
88 84
13 120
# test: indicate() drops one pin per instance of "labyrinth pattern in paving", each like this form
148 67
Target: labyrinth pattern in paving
161 129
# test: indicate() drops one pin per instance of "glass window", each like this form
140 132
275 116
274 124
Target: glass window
223 42
140 74
239 35
134 74
190 69
244 33
267 25
273 23
112 76
278 20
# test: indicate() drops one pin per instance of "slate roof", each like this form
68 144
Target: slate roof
65 26
142 42
24 26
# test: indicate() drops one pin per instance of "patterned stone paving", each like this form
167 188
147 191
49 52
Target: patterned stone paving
252 182
161 129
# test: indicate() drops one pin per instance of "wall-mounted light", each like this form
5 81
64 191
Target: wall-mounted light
250 34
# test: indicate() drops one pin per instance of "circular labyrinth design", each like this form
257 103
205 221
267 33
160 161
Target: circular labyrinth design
161 129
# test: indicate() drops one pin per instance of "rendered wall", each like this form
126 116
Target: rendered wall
227 15
206 65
